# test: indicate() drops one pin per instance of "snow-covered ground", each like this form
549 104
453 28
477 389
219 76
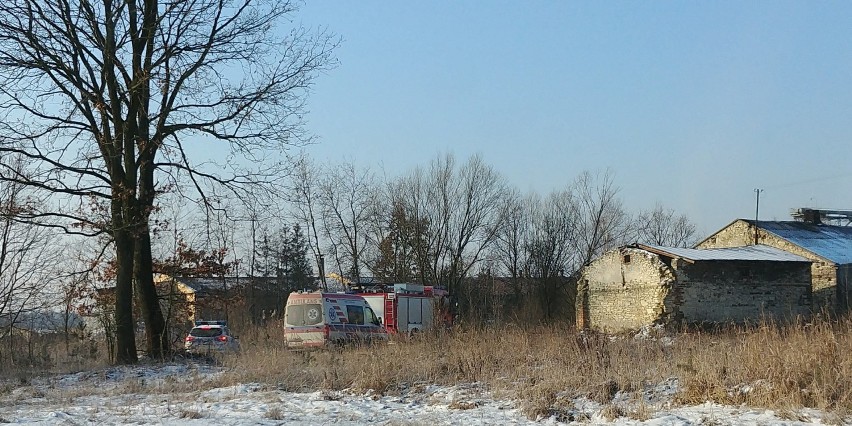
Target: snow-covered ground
163 395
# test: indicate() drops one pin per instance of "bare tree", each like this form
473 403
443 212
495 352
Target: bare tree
305 181
461 209
601 222
27 254
548 244
345 196
393 248
664 227
106 96
508 248
388 254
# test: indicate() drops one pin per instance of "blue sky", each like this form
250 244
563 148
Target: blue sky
691 104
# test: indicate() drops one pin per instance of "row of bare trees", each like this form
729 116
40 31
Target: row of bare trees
449 221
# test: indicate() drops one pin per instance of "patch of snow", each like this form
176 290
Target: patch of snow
654 332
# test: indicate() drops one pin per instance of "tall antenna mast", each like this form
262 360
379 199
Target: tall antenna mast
757 192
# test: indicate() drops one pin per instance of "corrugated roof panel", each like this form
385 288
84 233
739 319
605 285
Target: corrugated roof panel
758 252
203 284
831 242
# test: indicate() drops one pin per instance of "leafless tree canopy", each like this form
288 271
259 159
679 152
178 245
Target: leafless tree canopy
26 256
524 250
664 227
345 197
508 249
304 198
543 241
461 208
602 222
81 83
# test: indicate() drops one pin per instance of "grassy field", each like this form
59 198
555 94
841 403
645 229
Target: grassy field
547 368
783 368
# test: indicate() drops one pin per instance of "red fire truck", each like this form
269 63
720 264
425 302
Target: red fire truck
409 308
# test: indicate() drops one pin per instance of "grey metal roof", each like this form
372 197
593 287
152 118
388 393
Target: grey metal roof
203 285
828 241
210 284
758 253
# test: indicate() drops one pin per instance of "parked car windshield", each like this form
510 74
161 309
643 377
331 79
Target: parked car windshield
309 314
205 332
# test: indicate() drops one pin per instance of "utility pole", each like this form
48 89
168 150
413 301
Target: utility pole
757 192
321 262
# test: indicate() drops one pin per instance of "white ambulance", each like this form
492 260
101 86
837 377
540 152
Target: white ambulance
318 319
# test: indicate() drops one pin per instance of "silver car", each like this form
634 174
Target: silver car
210 337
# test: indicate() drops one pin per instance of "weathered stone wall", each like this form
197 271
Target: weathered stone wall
624 289
823 272
629 287
740 291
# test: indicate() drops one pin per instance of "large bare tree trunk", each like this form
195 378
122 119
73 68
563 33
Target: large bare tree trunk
125 344
157 339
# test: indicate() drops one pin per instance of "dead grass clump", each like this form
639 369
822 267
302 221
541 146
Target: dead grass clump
604 392
328 395
641 412
274 413
191 414
7 387
287 370
463 405
836 418
538 407
611 412
34 354
794 415
699 389
532 365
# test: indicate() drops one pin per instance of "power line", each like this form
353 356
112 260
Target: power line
812 180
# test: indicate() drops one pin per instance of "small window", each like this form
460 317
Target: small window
355 314
626 258
308 314
371 317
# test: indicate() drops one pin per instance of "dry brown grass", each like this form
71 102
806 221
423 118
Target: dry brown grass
32 355
546 367
191 414
803 365
786 368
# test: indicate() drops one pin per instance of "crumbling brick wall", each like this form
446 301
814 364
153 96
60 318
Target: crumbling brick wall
628 288
624 289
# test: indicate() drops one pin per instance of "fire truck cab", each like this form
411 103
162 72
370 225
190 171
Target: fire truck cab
407 309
